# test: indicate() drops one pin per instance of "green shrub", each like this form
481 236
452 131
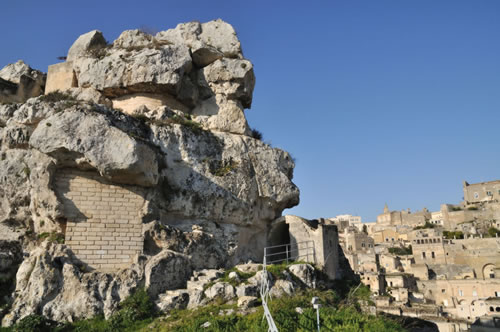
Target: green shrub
452 235
138 305
242 277
427 225
401 251
256 134
472 208
493 232
35 323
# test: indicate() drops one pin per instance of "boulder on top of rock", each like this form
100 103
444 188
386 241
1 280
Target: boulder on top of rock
116 155
85 43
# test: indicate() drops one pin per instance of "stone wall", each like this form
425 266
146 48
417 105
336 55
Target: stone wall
60 77
104 226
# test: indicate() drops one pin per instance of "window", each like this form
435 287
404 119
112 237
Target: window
423 254
488 193
363 244
476 195
432 255
460 292
491 309
474 293
445 303
390 283
443 291
497 294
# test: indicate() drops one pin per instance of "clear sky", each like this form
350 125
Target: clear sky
381 101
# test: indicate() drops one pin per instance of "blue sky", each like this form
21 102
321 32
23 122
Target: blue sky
391 102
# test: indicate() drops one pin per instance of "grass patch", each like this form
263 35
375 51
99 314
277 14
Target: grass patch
52 237
185 121
55 96
333 317
242 277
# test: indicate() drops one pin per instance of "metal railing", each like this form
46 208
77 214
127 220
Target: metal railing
280 254
290 252
265 296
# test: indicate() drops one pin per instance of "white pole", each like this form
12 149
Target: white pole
317 316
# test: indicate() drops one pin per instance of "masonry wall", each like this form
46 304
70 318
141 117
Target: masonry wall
104 227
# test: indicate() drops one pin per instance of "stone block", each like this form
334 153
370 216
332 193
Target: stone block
60 76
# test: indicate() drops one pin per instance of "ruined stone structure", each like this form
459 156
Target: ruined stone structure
323 237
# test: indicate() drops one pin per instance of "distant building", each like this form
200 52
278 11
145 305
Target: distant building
481 192
345 220
404 217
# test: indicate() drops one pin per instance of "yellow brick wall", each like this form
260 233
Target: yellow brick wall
104 226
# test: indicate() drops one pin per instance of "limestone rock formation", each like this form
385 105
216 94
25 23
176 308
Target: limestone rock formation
143 165
19 82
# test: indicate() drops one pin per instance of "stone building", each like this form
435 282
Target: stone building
307 240
481 192
347 220
404 217
460 298
357 241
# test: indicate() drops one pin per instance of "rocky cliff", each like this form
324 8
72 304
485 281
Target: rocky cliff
136 168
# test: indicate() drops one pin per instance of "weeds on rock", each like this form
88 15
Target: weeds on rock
56 96
52 237
256 134
223 167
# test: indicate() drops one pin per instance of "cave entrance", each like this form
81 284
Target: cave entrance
278 243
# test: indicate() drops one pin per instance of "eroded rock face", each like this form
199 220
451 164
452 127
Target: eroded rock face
198 66
111 151
52 282
19 82
208 190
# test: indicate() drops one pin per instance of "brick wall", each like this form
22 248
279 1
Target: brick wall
103 227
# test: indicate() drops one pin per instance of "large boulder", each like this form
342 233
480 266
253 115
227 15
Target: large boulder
85 43
305 273
116 155
143 70
166 271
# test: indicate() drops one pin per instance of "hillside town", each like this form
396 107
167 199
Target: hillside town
442 266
